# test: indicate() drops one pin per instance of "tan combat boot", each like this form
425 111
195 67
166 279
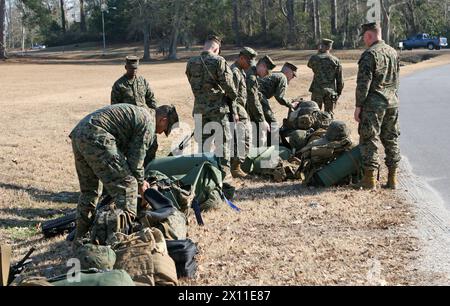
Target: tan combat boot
369 181
236 170
392 179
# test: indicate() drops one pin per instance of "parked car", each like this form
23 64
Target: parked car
424 41
38 47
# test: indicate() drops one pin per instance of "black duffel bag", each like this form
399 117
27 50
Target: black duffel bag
183 253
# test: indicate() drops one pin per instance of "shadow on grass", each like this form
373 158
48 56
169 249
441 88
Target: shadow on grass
271 191
43 195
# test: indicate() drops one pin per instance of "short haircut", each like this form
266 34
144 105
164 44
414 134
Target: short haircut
163 111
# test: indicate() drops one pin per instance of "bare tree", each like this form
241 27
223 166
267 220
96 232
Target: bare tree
236 24
288 10
63 16
334 17
386 10
317 18
264 23
176 23
82 17
2 29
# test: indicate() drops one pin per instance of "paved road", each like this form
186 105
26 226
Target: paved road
425 125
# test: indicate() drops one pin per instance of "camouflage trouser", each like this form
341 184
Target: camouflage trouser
268 113
97 159
242 140
325 100
378 124
208 140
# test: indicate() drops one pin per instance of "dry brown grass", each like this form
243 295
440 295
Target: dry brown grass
285 235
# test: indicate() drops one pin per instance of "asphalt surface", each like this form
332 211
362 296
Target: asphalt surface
425 126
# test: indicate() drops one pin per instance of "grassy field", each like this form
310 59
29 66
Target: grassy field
285 234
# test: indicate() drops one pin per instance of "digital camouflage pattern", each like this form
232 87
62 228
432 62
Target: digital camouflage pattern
328 80
377 95
254 96
110 145
136 91
378 77
212 85
215 95
243 128
274 85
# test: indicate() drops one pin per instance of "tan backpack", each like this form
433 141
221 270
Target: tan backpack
144 256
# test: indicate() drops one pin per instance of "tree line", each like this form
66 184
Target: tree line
173 23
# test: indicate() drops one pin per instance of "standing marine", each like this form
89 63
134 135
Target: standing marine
377 106
328 82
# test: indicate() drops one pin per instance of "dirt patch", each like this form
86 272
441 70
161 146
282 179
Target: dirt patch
286 233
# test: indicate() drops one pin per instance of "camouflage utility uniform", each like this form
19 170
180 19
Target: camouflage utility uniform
109 145
136 91
243 128
328 81
212 83
377 95
274 85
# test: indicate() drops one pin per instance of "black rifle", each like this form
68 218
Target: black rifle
20 267
182 145
67 223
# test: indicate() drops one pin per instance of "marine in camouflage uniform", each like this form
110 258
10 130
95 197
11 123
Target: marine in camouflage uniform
377 105
328 80
243 128
134 89
276 85
212 84
109 146
254 97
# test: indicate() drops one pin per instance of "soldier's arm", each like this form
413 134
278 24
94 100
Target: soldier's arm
150 97
136 153
225 80
365 75
280 93
116 95
339 80
237 77
268 113
253 99
311 62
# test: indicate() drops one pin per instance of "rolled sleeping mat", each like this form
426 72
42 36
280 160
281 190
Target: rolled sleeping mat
181 165
347 164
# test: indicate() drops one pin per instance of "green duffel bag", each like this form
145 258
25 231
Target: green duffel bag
177 166
95 278
349 163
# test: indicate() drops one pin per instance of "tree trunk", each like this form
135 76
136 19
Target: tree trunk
82 17
345 27
319 24
305 6
334 17
235 25
264 23
146 32
63 16
9 34
386 20
249 8
175 30
2 29
288 10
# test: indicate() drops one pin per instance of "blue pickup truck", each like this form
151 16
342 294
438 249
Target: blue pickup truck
424 41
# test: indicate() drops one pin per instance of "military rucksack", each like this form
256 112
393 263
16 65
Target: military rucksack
144 256
96 257
108 221
307 116
320 152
